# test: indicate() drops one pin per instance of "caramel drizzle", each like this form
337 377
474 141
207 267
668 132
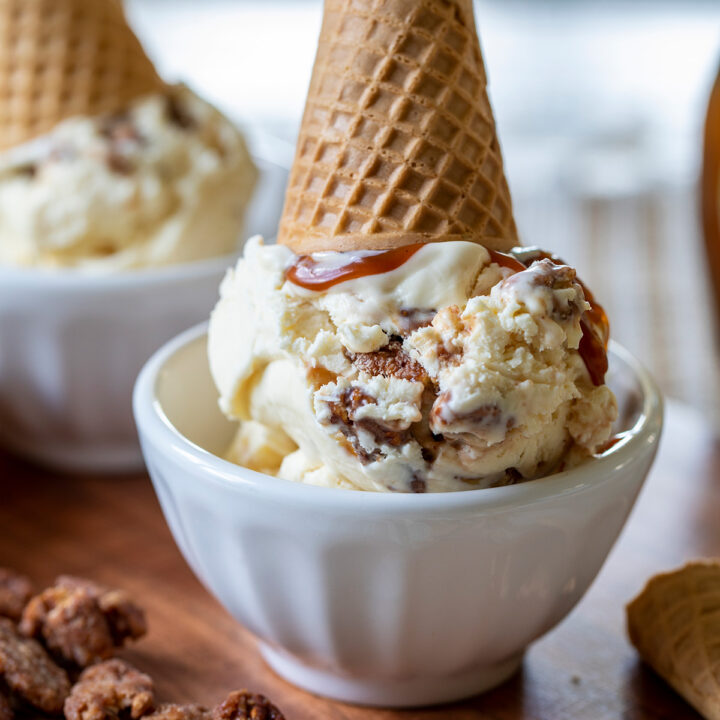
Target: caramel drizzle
312 275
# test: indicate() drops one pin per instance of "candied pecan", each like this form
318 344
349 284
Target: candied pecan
6 710
449 355
488 415
485 416
545 273
513 476
126 619
177 114
418 484
108 691
411 319
15 591
243 705
170 711
82 622
382 434
119 163
29 671
26 170
350 400
342 413
70 623
390 361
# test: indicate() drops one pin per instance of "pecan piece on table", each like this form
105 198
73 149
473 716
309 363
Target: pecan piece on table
110 690
82 622
244 705
30 672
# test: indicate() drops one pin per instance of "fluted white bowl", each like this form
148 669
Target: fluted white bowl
72 344
385 599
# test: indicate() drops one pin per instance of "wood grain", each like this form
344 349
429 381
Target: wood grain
112 530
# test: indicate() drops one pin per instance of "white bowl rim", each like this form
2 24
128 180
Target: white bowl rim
152 421
79 280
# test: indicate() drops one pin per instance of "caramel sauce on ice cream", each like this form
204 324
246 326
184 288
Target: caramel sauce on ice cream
311 274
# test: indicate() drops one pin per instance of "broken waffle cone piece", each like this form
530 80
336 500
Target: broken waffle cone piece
675 626
398 142
60 58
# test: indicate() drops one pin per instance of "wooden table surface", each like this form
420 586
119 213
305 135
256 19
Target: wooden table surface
112 530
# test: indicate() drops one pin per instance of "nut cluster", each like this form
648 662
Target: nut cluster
56 656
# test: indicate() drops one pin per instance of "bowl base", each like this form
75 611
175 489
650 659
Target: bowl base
412 692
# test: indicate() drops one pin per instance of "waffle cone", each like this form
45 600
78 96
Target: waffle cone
398 142
60 58
675 626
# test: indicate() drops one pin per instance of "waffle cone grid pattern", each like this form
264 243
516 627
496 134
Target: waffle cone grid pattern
398 139
60 58
675 625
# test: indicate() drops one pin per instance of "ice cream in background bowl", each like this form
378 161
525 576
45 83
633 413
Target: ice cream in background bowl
165 180
122 201
402 447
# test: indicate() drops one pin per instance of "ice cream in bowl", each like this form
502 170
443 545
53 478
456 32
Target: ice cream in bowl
122 201
402 447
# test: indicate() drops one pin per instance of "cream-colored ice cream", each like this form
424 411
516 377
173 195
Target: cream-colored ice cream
450 372
165 182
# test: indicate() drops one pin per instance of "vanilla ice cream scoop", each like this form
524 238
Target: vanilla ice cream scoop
421 369
166 181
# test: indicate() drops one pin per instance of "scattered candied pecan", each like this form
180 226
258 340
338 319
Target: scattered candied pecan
170 711
243 705
108 691
6 710
126 619
82 622
390 361
70 623
15 591
29 671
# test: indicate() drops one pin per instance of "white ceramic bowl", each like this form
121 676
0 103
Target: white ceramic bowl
385 599
72 344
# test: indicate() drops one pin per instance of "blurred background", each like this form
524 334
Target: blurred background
600 108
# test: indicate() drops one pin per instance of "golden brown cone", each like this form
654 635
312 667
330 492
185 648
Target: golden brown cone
60 58
397 143
675 626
